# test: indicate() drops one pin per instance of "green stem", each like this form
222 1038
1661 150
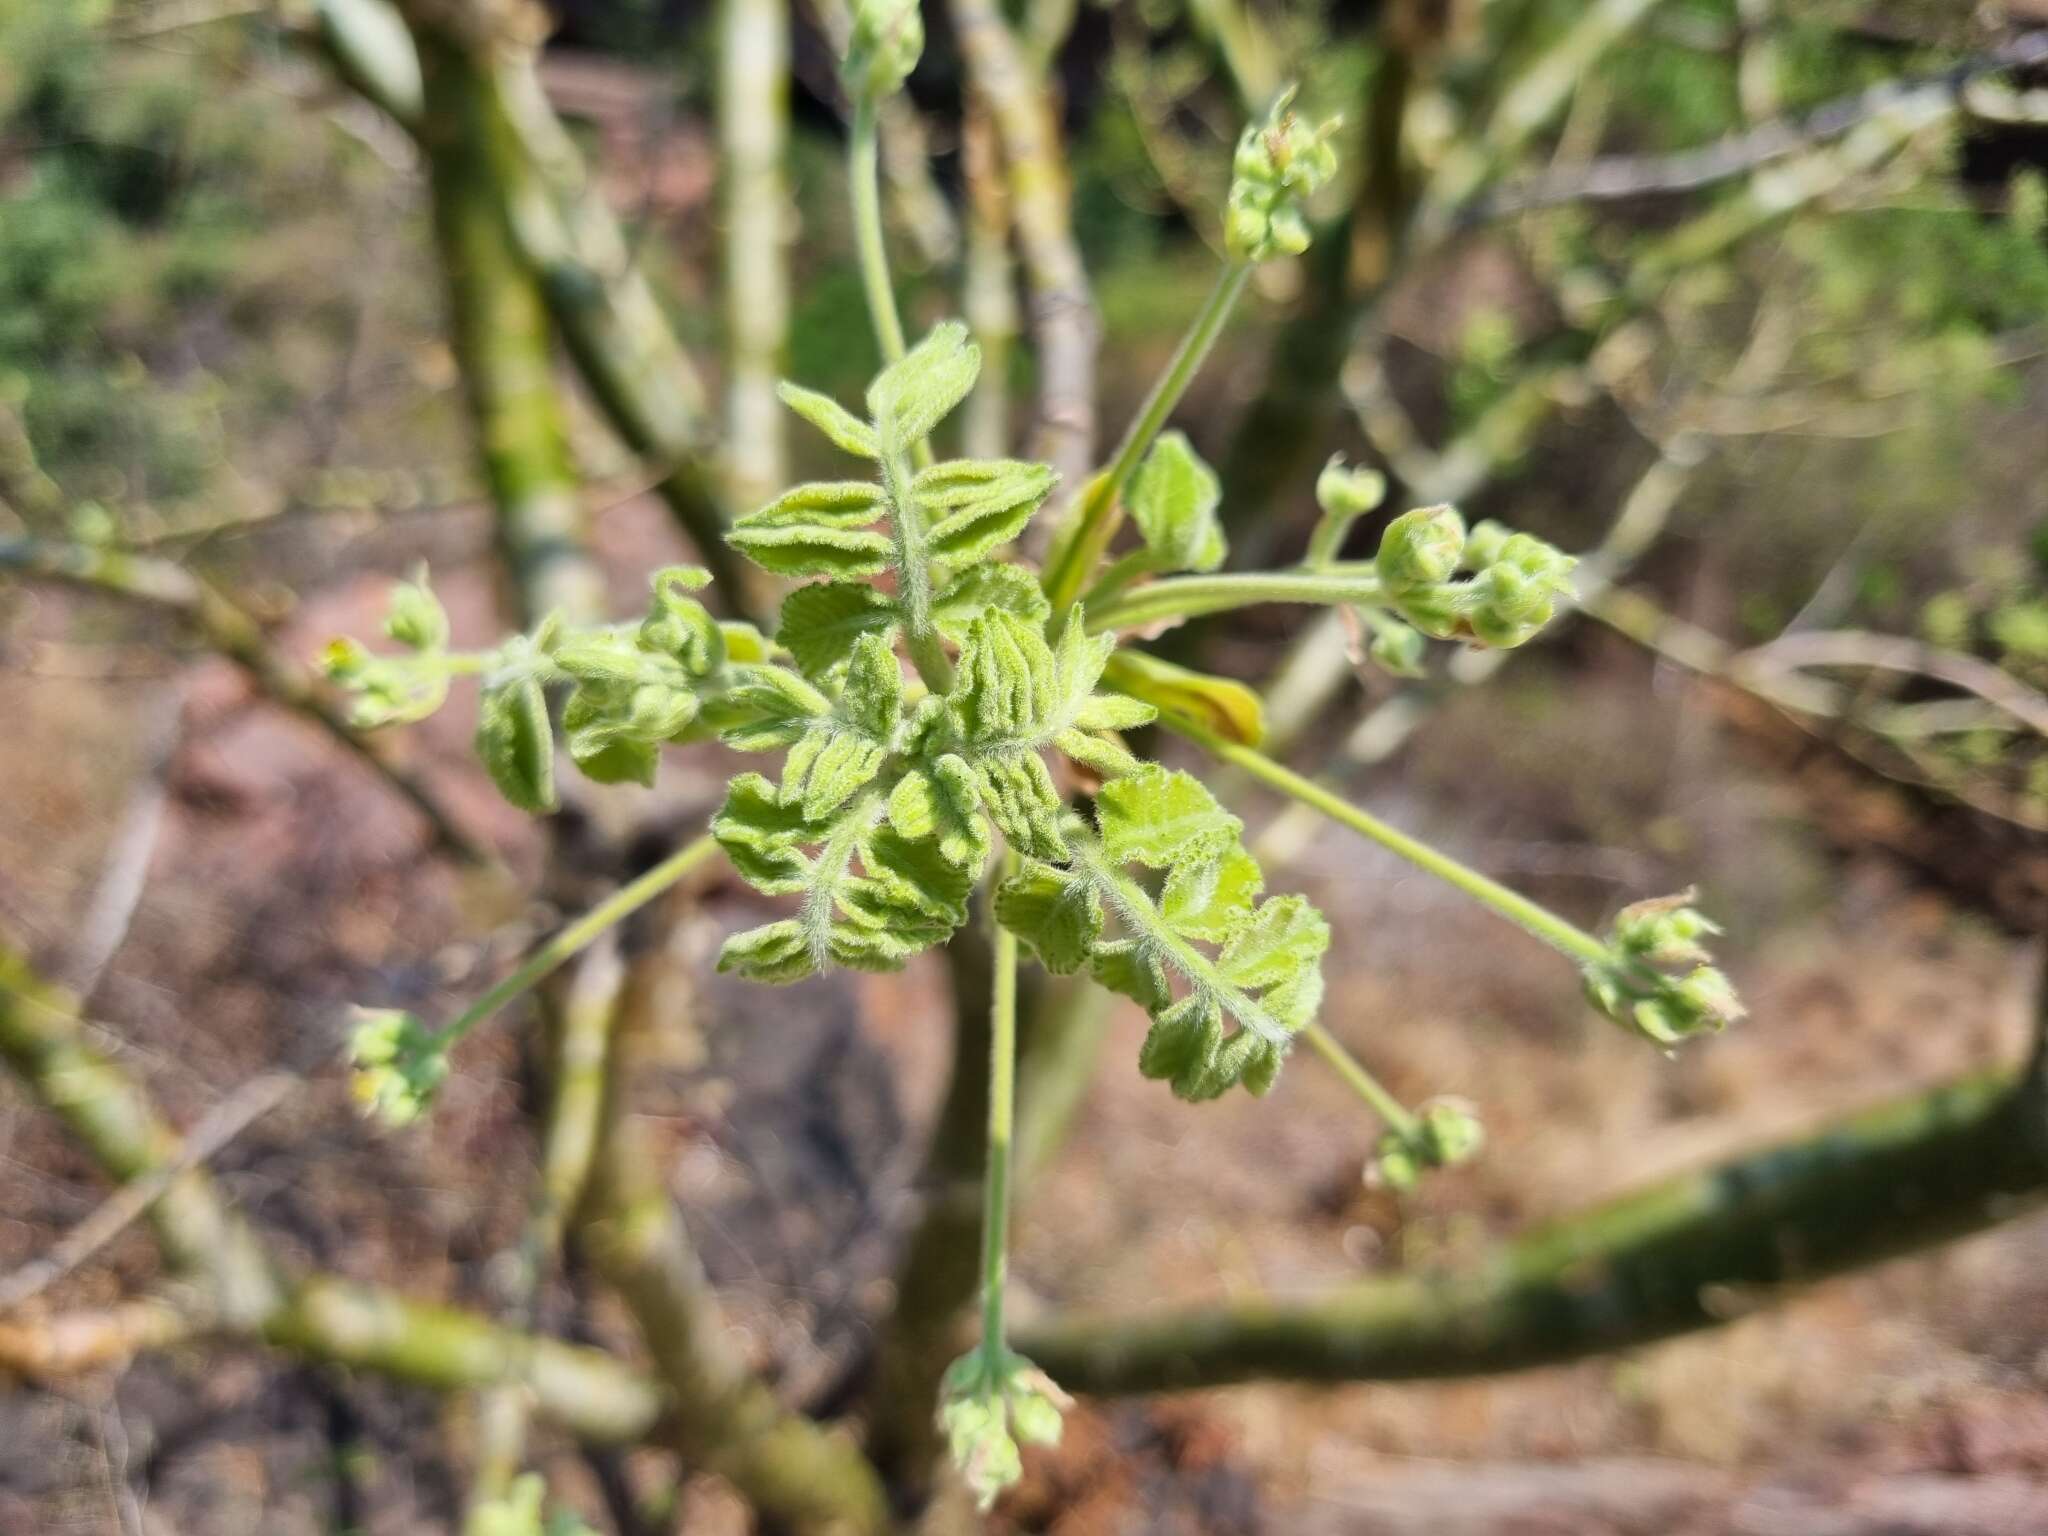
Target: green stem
914 580
1362 1082
577 936
1134 909
1567 938
864 169
1184 597
1084 537
1117 575
1002 1111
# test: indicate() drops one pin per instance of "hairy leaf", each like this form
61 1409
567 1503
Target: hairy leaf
1173 498
975 505
1239 1006
515 740
845 429
765 709
983 586
820 529
942 801
915 393
1056 912
841 751
1016 696
822 622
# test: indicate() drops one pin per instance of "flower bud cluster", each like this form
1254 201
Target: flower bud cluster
1347 490
399 1064
1279 164
1660 981
988 1408
886 43
393 690
1446 1132
1512 594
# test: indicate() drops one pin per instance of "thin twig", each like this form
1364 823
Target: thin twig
235 634
1625 176
1064 323
105 924
133 1200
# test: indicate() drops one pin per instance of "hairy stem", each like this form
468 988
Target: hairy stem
1184 597
568 941
1361 1081
1084 535
1567 938
863 159
1002 1114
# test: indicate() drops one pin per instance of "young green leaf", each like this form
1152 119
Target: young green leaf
915 393
820 529
1173 499
821 623
904 897
840 752
514 737
614 731
975 505
941 800
765 709
1016 696
845 429
416 619
983 586
1055 911
1265 978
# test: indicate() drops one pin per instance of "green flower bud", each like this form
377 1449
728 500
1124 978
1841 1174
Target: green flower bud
1538 559
399 1064
1512 596
1665 930
1394 1165
1349 492
887 41
1451 1132
1483 545
1420 548
416 618
1631 989
1440 610
1287 230
1398 647
389 690
1489 629
986 1407
1244 229
1277 165
1712 998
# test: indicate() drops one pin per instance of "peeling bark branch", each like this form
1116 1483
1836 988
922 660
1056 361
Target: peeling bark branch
753 129
1689 1253
724 1418
608 316
498 325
